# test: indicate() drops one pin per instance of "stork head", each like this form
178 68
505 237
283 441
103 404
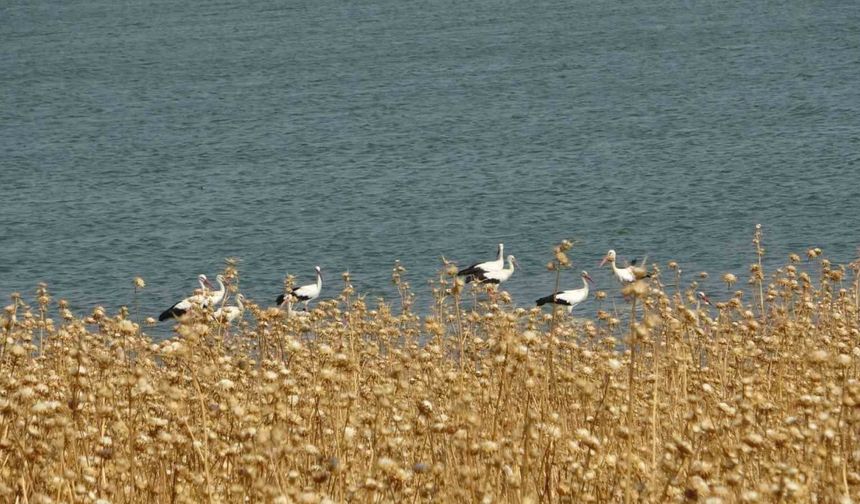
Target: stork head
610 256
513 261
501 250
318 270
704 297
586 276
204 281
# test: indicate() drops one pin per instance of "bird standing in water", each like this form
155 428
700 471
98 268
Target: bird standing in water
305 293
475 271
569 298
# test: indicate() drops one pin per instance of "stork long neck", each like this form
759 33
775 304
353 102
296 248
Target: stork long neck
585 283
218 295
615 268
239 304
501 257
319 280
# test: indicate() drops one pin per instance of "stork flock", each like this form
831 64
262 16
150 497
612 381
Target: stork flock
495 272
490 272
227 314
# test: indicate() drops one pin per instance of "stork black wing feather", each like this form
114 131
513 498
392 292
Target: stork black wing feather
172 312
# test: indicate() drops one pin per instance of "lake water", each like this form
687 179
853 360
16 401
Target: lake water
156 138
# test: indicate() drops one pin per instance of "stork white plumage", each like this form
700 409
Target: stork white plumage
215 297
204 282
201 299
624 275
498 276
305 293
288 304
474 271
701 297
227 314
569 298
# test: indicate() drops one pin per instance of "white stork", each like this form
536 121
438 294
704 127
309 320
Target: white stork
305 293
569 298
178 309
204 282
701 297
496 276
227 314
474 271
624 275
288 303
217 296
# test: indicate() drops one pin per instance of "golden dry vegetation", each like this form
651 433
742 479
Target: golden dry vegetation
756 399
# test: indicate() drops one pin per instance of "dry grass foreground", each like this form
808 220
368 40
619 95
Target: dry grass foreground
753 401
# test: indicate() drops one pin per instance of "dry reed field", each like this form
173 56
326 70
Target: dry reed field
666 399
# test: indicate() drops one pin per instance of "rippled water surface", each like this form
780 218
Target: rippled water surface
156 138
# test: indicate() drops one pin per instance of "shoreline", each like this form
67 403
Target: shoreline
753 399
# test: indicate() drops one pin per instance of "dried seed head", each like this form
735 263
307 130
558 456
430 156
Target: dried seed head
818 356
637 289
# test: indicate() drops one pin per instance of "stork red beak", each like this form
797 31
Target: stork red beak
588 277
705 299
605 258
208 283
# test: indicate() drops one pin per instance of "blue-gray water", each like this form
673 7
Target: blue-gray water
156 138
